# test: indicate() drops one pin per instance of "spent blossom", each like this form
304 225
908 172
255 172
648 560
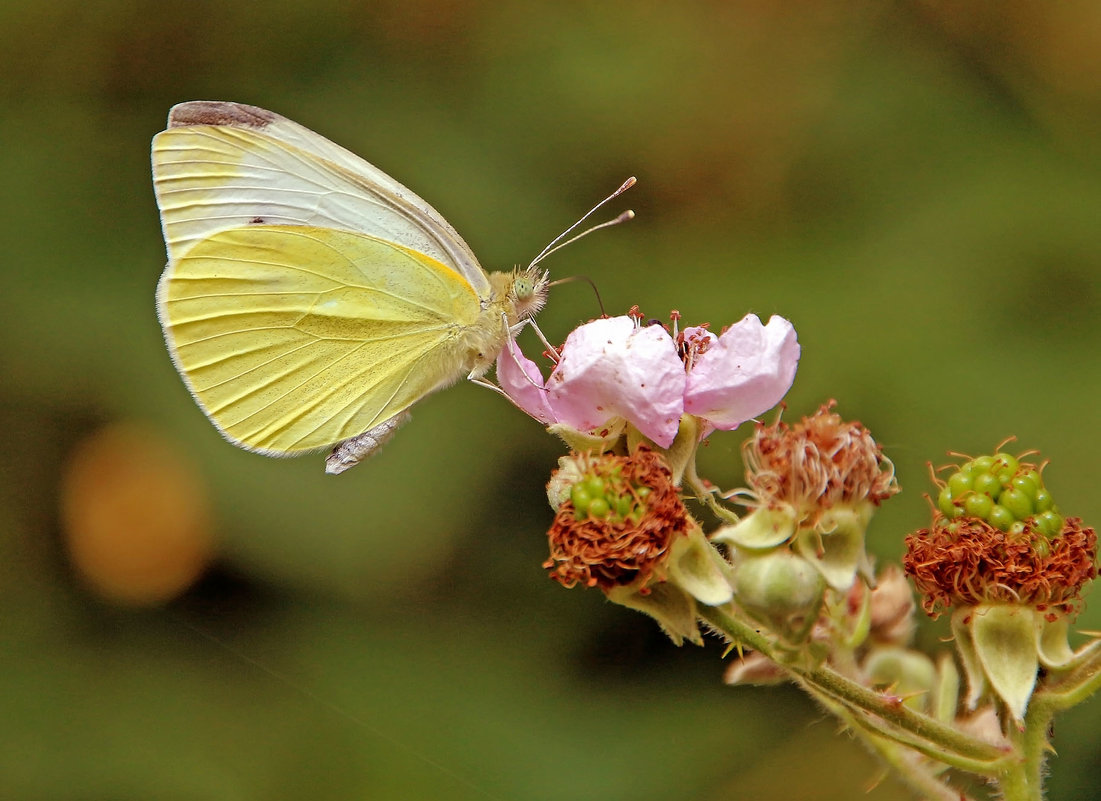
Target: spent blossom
1011 566
813 484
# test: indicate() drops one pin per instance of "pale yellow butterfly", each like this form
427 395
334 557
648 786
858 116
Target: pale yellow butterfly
309 298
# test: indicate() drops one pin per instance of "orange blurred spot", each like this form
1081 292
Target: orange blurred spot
135 515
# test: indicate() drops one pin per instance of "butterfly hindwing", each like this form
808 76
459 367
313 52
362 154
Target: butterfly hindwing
296 337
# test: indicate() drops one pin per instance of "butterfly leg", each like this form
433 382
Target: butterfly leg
551 350
489 385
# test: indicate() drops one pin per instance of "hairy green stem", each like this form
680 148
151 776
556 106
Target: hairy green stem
1022 779
1075 686
706 495
982 757
920 776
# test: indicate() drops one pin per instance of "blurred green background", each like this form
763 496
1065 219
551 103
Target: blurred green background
916 185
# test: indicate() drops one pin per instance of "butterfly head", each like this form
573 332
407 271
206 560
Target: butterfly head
527 291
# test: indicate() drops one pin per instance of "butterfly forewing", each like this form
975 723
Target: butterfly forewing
224 165
295 337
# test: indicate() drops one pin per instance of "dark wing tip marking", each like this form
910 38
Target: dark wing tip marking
217 112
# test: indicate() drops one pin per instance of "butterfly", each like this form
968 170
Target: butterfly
309 299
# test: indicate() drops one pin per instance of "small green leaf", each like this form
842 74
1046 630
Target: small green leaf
699 569
965 646
761 529
668 604
1005 642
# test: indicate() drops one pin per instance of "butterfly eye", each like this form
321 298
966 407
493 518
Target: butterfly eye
523 288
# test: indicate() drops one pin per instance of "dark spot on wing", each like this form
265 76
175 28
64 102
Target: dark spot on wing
214 112
256 221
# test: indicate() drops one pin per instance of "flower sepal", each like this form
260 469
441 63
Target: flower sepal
586 442
699 569
892 607
1053 646
694 572
910 674
946 692
668 604
998 646
762 529
834 546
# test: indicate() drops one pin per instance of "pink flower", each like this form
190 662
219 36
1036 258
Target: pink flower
613 369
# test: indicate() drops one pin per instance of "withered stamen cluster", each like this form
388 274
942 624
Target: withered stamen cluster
816 463
610 552
691 345
966 562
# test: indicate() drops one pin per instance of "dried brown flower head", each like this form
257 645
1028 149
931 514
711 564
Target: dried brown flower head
815 464
966 562
625 534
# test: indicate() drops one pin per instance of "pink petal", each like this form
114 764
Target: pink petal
522 381
610 368
746 372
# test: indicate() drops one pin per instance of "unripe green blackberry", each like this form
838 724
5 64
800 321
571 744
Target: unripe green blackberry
1011 567
608 496
1003 491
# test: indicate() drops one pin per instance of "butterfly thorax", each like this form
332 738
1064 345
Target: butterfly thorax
514 297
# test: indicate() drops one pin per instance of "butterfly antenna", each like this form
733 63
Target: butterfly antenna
555 243
587 280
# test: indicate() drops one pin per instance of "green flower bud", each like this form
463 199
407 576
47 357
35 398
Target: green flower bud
779 588
1017 503
960 482
988 484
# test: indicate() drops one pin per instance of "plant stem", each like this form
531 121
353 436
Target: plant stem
1074 686
979 756
915 773
1022 779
